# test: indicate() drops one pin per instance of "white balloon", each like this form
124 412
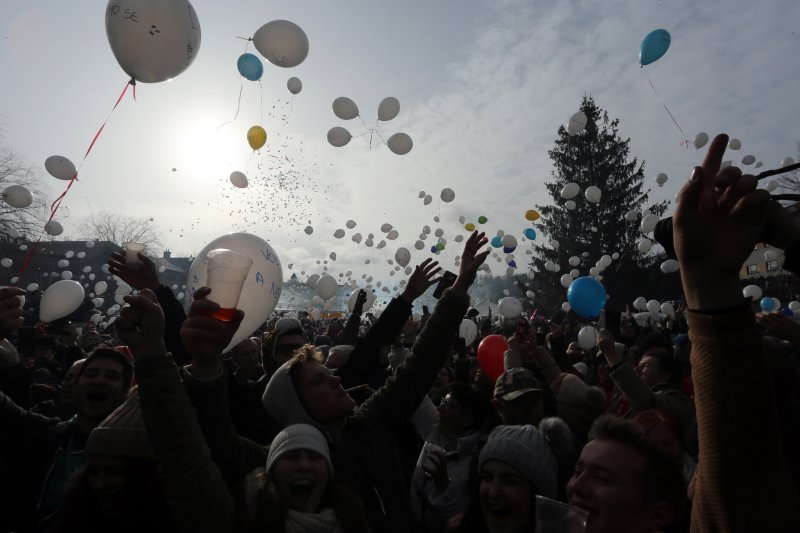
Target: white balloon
644 245
60 299
350 224
98 302
309 230
794 305
312 280
357 238
566 307
669 266
555 244
748 160
381 244
587 337
509 307
605 261
427 200
339 233
734 144
294 85
570 204
593 194
458 238
262 286
419 245
667 309
631 215
447 195
400 144
577 123
54 228
326 287
153 41
17 196
113 309
402 256
700 140
640 303
60 167
238 179
332 256
649 223
509 241
468 331
81 255
653 306
574 260
345 108
62 263
787 161
338 136
771 185
282 43
661 179
388 108
351 302
566 281
6 262
570 191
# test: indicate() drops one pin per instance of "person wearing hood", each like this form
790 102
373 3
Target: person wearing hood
364 449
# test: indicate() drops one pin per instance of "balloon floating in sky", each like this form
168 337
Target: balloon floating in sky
400 143
570 204
402 256
282 43
388 108
469 226
530 233
161 43
60 299
577 123
570 191
17 196
309 230
700 140
250 67
532 215
338 136
787 161
256 137
339 233
448 195
654 46
748 160
294 85
238 179
593 194
661 179
734 144
496 242
54 228
482 220
586 296
60 167
345 108
428 199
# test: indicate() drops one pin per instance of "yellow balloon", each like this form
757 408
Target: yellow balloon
256 137
532 214
470 227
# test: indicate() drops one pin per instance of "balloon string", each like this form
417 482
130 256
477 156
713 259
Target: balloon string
57 203
685 138
238 106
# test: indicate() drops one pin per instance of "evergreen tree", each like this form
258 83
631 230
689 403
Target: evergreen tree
597 156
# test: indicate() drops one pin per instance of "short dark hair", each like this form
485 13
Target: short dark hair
654 340
473 400
661 477
114 355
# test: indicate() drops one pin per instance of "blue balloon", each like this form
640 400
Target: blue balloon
768 304
497 242
509 249
586 296
434 249
654 46
512 264
250 67
530 233
786 311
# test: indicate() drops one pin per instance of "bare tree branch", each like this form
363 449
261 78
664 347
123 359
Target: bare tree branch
28 221
119 228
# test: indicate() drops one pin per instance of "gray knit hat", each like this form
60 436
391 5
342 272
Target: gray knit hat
122 433
298 437
525 449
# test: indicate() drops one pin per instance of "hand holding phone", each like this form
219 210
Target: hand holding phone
447 280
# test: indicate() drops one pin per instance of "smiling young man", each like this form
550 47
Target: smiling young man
53 449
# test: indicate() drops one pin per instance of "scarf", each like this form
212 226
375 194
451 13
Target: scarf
324 522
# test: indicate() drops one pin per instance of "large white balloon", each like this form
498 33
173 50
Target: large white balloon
593 194
734 144
400 144
54 228
60 167
338 136
509 241
238 179
17 196
753 291
669 266
282 43
60 299
345 108
388 108
153 40
668 309
294 85
587 337
100 287
262 287
402 256
649 223
570 191
653 306
447 195
640 303
509 307
566 281
644 245
577 123
326 287
351 302
700 140
468 331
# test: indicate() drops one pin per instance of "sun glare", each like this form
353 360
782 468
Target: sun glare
208 153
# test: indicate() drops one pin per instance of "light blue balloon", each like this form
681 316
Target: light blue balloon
497 242
768 304
586 296
250 67
654 46
530 233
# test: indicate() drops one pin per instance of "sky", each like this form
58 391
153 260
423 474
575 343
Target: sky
483 88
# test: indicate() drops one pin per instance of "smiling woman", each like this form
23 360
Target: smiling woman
207 153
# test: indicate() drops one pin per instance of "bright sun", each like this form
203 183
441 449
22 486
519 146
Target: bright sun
208 154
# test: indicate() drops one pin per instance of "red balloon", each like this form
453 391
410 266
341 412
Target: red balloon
490 355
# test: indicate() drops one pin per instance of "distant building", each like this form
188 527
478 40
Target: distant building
765 261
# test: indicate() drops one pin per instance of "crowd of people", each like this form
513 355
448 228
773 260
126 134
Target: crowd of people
393 426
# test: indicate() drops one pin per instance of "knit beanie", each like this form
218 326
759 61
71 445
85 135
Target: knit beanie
525 449
579 404
298 437
122 433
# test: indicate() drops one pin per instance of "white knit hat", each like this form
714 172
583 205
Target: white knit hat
298 437
525 449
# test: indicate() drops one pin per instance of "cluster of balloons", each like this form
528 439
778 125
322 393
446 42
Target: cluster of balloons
346 109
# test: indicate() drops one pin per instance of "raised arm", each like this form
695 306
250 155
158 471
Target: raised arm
719 218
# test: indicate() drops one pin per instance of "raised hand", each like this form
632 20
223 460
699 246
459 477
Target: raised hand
141 325
140 277
10 310
361 299
204 336
719 218
471 259
421 279
780 326
436 468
